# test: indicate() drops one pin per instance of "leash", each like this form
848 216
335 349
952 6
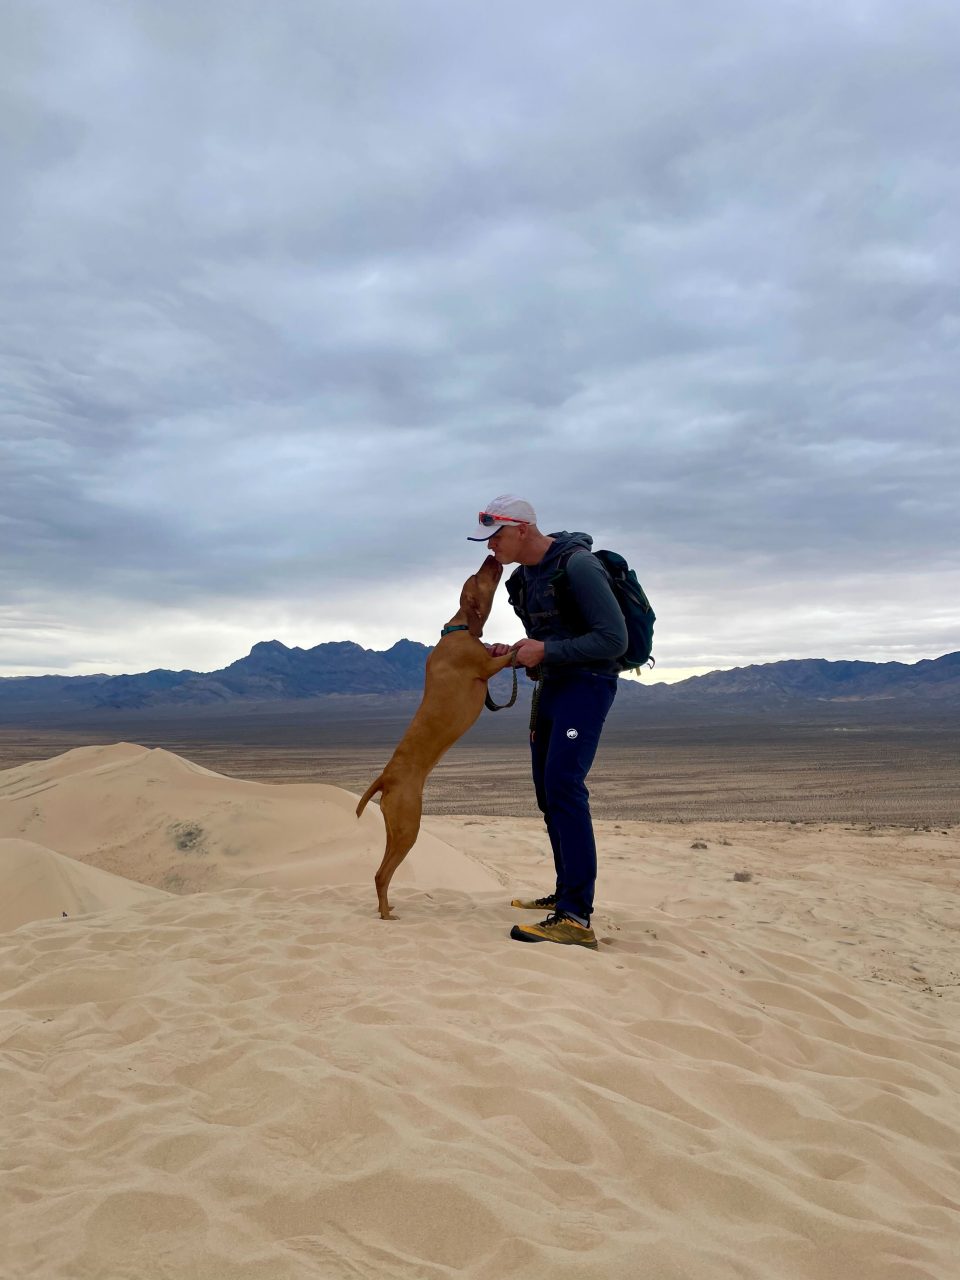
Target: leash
489 703
535 673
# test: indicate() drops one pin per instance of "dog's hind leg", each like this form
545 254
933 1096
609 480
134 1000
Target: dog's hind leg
401 808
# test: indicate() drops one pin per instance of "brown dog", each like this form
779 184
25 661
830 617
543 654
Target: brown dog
455 686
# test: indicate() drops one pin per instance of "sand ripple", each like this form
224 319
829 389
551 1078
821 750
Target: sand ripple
276 1084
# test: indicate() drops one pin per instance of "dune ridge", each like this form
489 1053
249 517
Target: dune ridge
273 1083
156 818
39 884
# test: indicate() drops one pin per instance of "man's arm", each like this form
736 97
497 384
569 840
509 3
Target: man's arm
606 634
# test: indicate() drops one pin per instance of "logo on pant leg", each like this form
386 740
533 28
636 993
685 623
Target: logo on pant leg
572 733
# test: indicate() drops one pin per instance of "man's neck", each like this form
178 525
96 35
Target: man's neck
536 551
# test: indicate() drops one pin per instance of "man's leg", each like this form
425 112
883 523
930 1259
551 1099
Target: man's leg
539 747
580 707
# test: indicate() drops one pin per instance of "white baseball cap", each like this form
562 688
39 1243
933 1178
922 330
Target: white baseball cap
507 509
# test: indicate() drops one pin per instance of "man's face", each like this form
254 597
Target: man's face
505 543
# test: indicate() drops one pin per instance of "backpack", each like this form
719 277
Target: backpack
634 605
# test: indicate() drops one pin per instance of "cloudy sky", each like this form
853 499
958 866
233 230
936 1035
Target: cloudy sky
291 290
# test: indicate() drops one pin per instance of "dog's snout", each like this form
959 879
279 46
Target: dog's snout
492 566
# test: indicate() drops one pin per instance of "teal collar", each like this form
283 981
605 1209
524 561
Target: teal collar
448 628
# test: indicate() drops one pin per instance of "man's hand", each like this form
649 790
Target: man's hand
529 653
497 650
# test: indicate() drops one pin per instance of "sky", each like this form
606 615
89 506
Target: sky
291 291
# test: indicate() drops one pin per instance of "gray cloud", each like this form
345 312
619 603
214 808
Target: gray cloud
290 290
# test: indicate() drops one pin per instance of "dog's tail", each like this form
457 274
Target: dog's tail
374 787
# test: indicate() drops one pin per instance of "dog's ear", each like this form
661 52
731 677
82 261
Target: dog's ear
474 621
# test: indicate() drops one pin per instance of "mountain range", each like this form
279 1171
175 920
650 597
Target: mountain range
272 672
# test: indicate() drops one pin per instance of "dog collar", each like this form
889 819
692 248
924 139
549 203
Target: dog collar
447 629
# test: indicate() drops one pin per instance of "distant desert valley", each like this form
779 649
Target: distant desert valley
804 765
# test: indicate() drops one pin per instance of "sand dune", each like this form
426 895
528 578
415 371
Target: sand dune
156 818
39 884
273 1084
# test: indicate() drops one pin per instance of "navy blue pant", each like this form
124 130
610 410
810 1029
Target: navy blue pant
573 707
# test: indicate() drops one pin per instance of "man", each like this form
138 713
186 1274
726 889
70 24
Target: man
577 650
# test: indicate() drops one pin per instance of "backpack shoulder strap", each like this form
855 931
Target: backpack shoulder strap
566 600
517 593
560 577
565 559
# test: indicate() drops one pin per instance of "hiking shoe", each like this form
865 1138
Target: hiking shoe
556 928
549 903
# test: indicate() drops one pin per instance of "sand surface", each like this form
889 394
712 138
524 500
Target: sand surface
254 1077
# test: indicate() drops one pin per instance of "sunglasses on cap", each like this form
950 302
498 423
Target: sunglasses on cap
487 518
